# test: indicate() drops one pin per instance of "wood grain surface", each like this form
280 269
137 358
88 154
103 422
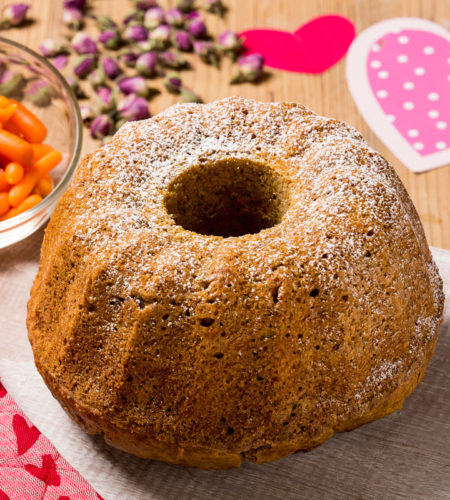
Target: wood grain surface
326 94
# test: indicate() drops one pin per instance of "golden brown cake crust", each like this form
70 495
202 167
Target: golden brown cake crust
181 345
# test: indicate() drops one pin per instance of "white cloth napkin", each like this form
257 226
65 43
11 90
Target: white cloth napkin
405 455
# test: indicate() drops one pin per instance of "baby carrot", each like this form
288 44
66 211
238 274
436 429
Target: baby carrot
12 128
7 112
15 148
26 204
20 191
48 162
45 185
31 127
14 172
4 203
41 150
4 184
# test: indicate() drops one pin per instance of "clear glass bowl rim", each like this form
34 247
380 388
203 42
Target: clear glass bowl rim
67 177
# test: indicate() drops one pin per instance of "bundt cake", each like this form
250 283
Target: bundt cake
233 281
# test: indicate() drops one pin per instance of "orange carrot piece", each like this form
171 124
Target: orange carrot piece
14 172
45 185
28 203
4 101
48 162
41 150
13 129
29 124
4 203
7 112
15 148
4 184
20 191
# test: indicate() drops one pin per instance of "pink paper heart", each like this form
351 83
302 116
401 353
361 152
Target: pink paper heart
398 72
313 48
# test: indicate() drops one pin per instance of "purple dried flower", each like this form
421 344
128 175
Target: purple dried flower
172 82
207 52
175 17
134 85
83 44
73 18
146 64
74 4
40 93
110 67
52 48
153 17
194 14
129 57
134 16
145 4
215 7
182 40
189 96
105 99
15 14
160 37
251 68
60 61
110 39
105 23
185 5
135 33
144 45
84 65
11 83
97 77
172 59
229 41
87 113
101 126
197 28
133 108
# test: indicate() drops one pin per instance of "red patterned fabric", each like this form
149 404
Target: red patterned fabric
30 466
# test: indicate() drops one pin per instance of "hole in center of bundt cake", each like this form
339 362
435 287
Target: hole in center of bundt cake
227 198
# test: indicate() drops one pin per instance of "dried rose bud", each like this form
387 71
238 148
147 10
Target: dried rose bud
145 4
11 84
101 126
197 28
83 44
160 37
74 4
134 85
105 99
194 14
189 96
175 17
207 52
133 108
135 33
97 77
251 68
73 18
185 5
133 16
87 113
110 39
146 64
111 67
52 48
129 57
84 65
15 14
215 7
172 82
60 61
171 59
182 40
153 18
229 41
105 23
40 93
144 45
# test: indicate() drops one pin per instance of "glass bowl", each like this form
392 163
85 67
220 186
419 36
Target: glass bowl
59 112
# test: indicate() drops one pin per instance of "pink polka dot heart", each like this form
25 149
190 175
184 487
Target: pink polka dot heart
399 75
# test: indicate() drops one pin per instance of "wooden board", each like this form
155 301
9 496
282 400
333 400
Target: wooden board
326 94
